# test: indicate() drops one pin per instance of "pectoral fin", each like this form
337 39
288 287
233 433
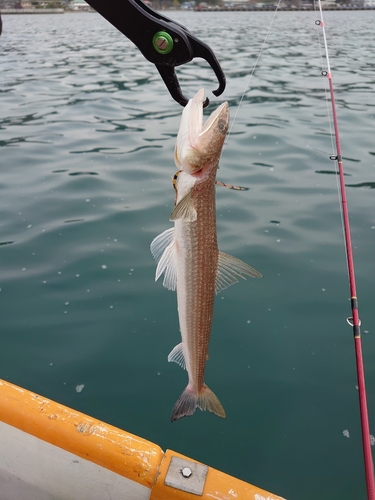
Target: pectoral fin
184 209
229 269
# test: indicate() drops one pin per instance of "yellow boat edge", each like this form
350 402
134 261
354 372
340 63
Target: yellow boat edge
38 435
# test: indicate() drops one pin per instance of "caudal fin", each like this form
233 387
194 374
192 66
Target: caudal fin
189 401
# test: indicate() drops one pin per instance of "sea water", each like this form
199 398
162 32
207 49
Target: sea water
87 133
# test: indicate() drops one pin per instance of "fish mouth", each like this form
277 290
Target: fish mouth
199 145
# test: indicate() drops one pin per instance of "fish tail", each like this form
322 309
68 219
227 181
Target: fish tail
189 401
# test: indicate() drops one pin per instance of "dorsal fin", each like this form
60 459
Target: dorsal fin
163 250
160 243
177 356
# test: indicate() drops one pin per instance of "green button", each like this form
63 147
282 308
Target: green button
162 42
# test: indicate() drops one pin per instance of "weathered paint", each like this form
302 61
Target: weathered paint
100 443
49 451
218 486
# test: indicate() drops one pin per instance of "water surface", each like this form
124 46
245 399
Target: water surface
87 133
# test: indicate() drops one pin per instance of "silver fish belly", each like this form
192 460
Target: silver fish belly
188 254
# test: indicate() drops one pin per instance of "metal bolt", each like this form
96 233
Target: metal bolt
186 472
162 43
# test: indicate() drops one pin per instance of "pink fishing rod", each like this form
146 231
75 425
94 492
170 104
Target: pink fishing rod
354 321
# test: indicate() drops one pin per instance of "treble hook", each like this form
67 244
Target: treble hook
163 42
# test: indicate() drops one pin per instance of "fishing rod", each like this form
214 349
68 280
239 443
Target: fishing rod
354 320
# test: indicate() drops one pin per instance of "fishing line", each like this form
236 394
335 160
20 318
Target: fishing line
326 89
252 73
354 320
329 118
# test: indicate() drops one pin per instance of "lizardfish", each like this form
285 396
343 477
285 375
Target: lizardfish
188 253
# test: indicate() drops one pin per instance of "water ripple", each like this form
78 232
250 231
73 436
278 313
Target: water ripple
88 133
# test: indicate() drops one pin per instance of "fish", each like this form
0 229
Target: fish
188 255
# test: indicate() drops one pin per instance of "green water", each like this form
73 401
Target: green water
87 132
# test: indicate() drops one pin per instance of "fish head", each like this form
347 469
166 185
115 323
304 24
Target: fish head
199 145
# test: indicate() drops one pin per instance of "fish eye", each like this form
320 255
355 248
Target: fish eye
222 126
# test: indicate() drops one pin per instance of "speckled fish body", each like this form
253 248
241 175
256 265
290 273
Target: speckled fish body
188 254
